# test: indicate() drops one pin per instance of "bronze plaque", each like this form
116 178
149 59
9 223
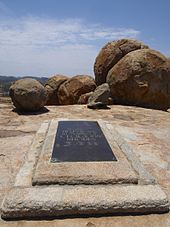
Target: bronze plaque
79 141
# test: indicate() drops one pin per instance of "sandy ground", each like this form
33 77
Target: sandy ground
148 131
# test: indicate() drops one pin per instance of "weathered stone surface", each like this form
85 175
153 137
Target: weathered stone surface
138 126
84 98
119 172
141 78
144 177
28 95
88 200
71 90
110 54
52 85
24 176
100 94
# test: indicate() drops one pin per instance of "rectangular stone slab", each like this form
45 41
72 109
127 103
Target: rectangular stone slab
78 141
56 201
98 172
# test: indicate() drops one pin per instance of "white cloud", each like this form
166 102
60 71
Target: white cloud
41 46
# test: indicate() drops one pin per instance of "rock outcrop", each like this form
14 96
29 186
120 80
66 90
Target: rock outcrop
100 94
52 85
71 90
141 78
84 98
28 95
110 54
126 72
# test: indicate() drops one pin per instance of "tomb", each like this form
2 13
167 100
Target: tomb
81 141
79 167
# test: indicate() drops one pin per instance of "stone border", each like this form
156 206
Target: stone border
51 202
103 172
144 176
24 176
25 201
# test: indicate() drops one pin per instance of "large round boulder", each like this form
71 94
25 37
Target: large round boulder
28 94
110 54
52 85
141 78
71 90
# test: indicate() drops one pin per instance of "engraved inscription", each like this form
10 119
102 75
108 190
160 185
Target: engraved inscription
81 141
80 137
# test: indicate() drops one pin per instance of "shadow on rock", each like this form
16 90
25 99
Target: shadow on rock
40 111
98 105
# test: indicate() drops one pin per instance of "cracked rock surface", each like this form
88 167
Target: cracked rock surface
110 54
146 130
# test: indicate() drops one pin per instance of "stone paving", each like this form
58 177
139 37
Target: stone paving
145 130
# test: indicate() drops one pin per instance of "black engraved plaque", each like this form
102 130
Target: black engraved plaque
78 141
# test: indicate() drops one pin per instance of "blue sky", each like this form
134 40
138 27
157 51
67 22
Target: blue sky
44 37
